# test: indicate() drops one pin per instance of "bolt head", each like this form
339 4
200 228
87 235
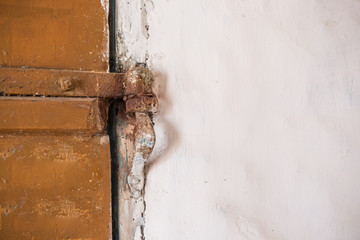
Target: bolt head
66 85
134 180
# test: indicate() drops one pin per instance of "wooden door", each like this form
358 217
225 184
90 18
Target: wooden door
54 148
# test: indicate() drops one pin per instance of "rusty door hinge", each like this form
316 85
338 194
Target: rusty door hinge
135 140
134 130
138 91
135 85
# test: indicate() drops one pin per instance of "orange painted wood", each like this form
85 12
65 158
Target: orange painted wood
54 34
54 152
69 115
54 187
46 82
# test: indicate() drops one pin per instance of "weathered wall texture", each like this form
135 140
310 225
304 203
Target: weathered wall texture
258 134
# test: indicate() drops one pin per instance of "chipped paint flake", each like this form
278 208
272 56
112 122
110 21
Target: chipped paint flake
132 32
137 139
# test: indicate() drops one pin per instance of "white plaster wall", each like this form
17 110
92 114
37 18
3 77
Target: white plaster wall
259 127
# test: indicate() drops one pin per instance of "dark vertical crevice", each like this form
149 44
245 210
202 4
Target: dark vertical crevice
114 169
113 62
114 67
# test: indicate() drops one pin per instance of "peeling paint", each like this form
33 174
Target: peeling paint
58 181
104 140
63 208
9 207
135 133
6 152
136 139
135 142
144 144
132 32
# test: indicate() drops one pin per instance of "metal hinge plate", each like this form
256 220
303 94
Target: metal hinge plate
67 83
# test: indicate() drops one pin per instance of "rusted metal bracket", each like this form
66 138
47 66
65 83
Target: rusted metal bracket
135 142
67 83
140 100
138 91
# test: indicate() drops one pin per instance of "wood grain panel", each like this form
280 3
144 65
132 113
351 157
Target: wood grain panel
54 34
71 115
